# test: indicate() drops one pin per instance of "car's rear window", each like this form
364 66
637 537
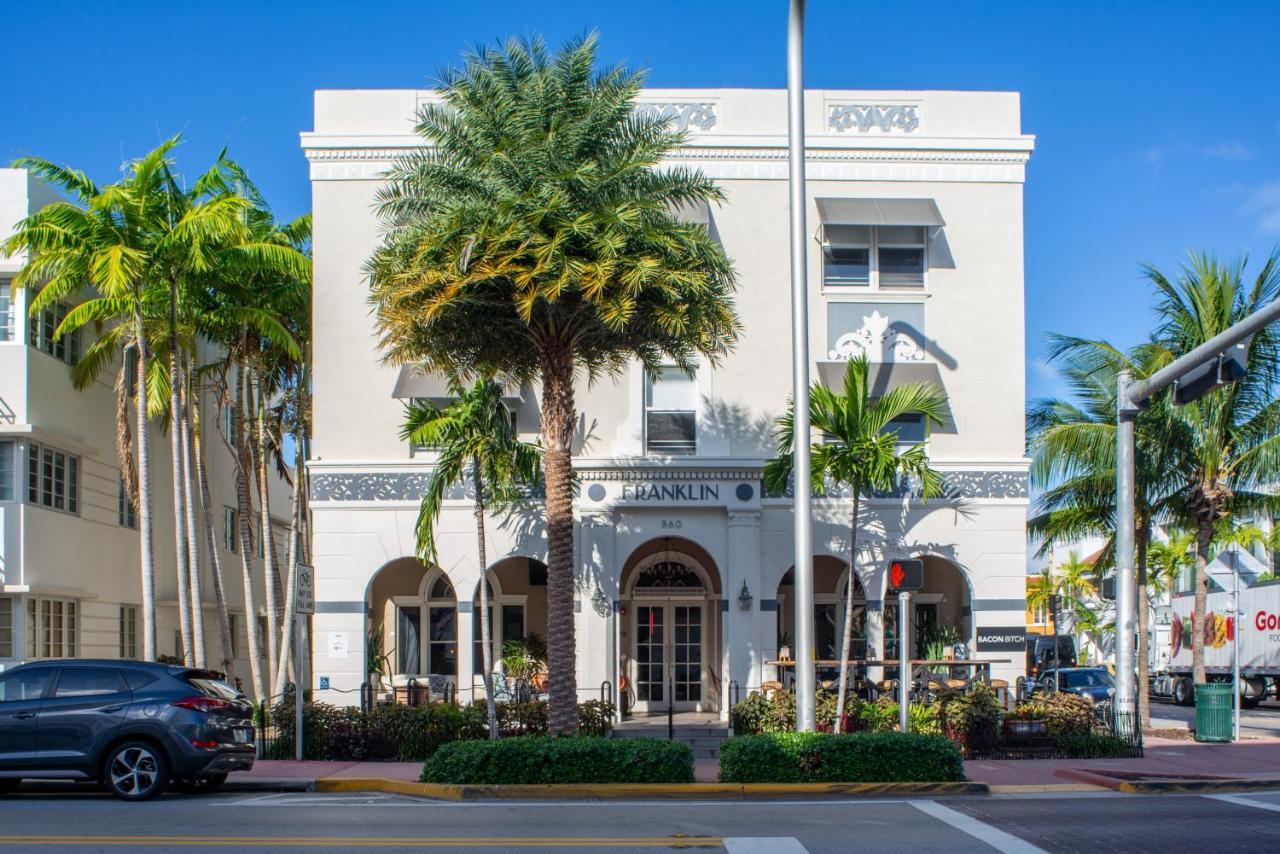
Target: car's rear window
138 678
213 687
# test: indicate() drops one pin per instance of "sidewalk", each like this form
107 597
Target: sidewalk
1254 758
1251 759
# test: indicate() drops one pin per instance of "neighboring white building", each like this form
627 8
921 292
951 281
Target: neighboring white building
915 210
69 564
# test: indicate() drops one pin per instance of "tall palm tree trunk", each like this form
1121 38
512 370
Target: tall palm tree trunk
244 512
124 433
847 640
215 562
146 558
1140 595
193 542
486 648
290 595
559 419
181 565
1204 539
271 587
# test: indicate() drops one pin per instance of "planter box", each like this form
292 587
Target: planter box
1025 729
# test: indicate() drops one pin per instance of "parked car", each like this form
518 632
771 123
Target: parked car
133 726
1092 682
1040 653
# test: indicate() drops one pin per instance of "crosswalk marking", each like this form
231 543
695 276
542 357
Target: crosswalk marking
997 839
763 845
1241 800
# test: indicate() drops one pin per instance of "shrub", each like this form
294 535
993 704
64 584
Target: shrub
1063 714
1093 746
756 714
970 710
595 717
547 759
846 758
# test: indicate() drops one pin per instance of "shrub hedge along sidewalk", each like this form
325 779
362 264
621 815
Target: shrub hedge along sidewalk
817 757
548 759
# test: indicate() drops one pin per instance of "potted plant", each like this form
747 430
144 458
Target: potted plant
1027 721
784 646
524 660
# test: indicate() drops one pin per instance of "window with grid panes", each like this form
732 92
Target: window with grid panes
53 478
44 324
51 627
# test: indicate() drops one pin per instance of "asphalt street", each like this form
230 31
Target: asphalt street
1054 822
1262 722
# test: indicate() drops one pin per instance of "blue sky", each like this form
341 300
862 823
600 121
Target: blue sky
1158 124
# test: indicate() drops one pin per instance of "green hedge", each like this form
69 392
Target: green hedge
547 759
396 732
816 757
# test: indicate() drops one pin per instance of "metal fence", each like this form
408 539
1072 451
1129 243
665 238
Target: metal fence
1111 735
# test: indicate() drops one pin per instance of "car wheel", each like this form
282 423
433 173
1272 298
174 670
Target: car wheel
136 771
1182 692
8 785
200 785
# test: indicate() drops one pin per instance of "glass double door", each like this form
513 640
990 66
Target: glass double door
668 655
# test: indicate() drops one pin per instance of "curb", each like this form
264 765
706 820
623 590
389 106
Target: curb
639 791
269 786
1160 787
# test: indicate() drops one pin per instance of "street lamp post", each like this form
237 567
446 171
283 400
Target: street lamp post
805 674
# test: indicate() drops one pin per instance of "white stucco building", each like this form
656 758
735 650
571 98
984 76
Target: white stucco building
684 566
69 563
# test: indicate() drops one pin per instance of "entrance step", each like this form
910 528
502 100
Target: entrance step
703 737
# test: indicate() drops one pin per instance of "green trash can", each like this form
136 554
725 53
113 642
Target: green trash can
1213 712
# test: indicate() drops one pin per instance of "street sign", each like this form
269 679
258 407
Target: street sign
306 589
1224 369
906 575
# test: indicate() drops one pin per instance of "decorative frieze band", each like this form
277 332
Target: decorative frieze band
682 116
864 118
956 486
410 486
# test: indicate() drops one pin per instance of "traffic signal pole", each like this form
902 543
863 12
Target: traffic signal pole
1131 396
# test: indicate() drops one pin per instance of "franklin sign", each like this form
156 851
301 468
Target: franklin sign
671 493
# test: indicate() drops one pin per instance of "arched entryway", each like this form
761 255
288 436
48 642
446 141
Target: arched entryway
830 591
518 609
941 610
673 627
412 622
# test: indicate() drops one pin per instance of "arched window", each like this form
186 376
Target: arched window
442 628
669 575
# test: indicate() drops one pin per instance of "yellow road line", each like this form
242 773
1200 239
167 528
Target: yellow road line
381 841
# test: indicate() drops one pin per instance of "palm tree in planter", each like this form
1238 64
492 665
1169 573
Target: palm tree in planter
477 446
534 238
859 451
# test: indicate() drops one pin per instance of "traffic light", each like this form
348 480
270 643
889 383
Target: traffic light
1223 369
906 575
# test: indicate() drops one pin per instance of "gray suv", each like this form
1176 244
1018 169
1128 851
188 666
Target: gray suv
133 726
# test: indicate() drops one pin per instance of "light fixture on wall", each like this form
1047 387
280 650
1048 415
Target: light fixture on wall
744 598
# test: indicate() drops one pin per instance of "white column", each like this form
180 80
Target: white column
594 595
466 650
743 652
874 581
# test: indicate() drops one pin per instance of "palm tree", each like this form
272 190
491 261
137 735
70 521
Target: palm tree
477 444
860 451
1234 432
123 246
1041 593
1072 447
533 237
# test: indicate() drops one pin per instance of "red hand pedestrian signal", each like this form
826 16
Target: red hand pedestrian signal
906 575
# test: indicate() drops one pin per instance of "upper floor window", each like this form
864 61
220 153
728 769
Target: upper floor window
128 631
876 257
6 311
1041 616
671 412
53 478
6 469
126 514
43 325
229 529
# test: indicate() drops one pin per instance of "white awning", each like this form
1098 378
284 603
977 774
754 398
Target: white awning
413 384
880 212
697 213
883 376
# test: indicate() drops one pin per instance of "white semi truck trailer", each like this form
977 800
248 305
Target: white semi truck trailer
1259 631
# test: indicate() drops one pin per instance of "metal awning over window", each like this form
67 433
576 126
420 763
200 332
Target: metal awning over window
884 376
880 212
413 384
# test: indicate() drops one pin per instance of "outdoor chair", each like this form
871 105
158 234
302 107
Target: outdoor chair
768 689
1001 687
439 687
